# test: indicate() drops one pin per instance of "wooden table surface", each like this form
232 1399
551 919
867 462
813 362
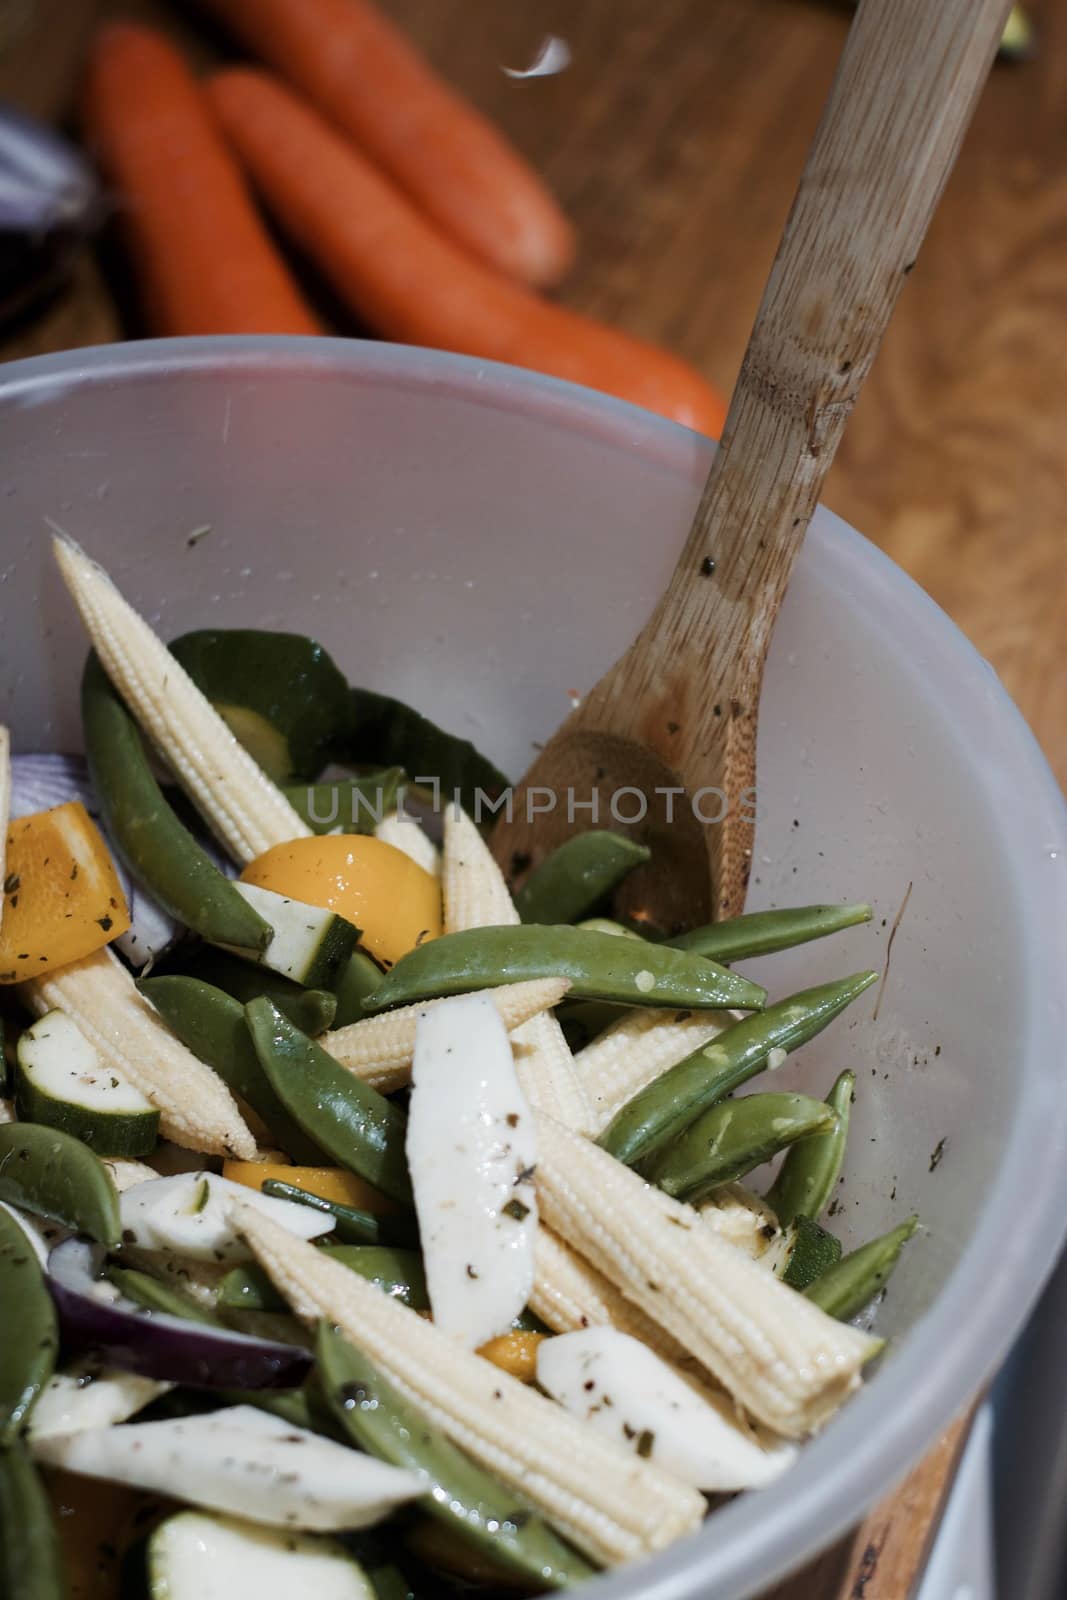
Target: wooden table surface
675 140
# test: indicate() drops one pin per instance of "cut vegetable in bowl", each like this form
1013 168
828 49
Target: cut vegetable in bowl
98 1319
394 902
61 1082
89 1395
62 896
191 1216
310 944
30 1350
193 1556
618 1385
472 1152
242 1461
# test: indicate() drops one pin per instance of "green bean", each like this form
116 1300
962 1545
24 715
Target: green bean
662 1110
158 848
599 966
459 1492
571 882
732 1138
358 981
353 1227
762 933
213 1026
29 1336
353 1123
31 1560
387 731
310 1010
814 1252
398 1273
55 1176
355 805
845 1289
807 1176
149 1292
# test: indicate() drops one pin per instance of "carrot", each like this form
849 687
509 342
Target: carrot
203 258
366 77
410 281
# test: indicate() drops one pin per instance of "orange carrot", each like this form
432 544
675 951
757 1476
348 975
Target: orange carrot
203 258
410 281
367 78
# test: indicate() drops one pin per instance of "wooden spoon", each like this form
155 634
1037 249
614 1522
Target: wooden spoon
678 711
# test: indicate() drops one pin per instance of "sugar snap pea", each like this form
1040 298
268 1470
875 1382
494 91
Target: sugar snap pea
807 1176
458 1491
353 805
29 1337
732 1138
359 978
762 933
385 730
310 1010
397 1273
662 1110
843 1290
144 1290
599 966
571 882
212 1025
355 1125
813 1251
55 1176
31 1560
159 850
353 1227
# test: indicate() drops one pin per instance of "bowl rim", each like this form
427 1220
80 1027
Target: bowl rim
761 1537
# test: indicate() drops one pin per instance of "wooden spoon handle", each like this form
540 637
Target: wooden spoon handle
905 89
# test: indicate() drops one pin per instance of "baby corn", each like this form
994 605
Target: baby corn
753 1334
638 1049
196 1108
244 808
379 1049
612 1505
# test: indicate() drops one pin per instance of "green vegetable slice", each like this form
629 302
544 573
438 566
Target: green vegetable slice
47 1172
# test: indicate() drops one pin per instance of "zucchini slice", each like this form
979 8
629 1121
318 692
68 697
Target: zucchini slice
310 945
61 1082
280 693
195 1556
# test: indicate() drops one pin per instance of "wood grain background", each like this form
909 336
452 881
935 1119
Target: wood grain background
675 141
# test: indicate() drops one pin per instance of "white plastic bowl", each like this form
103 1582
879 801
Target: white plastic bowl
480 542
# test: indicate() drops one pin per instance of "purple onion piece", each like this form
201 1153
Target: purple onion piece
96 1319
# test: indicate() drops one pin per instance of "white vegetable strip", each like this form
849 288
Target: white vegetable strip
788 1363
570 1295
126 1174
243 1461
404 833
476 896
637 1050
243 807
610 1504
472 1155
616 1384
379 1049
98 994
194 1556
90 1397
190 1215
5 810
